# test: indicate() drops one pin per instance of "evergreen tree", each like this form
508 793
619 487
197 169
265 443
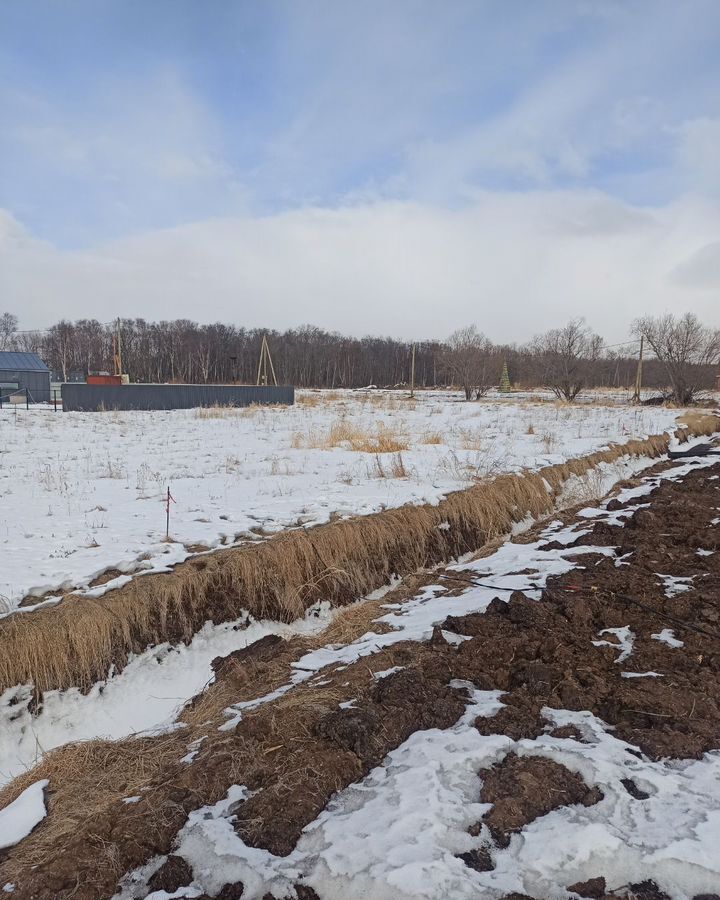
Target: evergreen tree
505 386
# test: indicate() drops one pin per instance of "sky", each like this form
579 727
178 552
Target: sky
374 167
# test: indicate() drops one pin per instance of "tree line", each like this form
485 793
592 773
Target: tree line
681 356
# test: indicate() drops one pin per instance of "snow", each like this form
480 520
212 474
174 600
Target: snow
83 492
19 818
671 837
396 834
675 585
625 641
385 672
641 675
667 636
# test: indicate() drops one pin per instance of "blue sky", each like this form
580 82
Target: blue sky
125 119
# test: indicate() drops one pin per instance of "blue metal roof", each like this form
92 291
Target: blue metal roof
21 362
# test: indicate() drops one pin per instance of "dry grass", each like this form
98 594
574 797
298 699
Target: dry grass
472 440
350 436
216 412
394 468
317 398
88 781
432 437
77 642
549 441
700 423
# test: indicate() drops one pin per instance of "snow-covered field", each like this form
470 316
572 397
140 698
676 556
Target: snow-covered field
424 797
82 493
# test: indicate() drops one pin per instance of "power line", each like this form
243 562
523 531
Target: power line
621 344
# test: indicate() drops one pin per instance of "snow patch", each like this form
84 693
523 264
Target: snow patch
667 636
625 641
675 585
25 812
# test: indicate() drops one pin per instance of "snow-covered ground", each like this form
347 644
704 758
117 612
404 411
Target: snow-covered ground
151 690
81 493
398 832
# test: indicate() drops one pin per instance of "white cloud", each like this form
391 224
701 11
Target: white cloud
698 141
514 264
701 270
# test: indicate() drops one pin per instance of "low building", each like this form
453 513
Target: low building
22 373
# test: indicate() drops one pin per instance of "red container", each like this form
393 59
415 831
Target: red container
104 379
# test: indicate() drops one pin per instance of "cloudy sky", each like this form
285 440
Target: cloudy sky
400 167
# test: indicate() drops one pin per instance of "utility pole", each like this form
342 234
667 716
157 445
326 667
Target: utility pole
118 349
412 372
638 377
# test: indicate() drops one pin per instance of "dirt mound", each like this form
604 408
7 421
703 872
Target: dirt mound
522 789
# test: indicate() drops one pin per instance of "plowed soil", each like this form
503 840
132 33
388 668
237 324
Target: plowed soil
295 752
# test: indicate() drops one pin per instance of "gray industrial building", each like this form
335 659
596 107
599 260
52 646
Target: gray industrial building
24 372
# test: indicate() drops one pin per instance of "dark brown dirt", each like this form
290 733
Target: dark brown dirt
236 664
343 745
173 874
227 892
478 859
594 888
104 577
646 890
523 788
296 752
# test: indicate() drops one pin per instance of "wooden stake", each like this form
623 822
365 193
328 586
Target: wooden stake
117 349
167 513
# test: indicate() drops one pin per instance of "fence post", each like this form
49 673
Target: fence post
27 399
168 500
55 399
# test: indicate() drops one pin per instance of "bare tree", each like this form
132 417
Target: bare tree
311 357
566 355
467 360
8 327
683 345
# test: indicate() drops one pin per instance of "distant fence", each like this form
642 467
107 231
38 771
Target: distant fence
95 397
15 398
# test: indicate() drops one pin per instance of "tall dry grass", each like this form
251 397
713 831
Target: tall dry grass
346 433
228 411
78 642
